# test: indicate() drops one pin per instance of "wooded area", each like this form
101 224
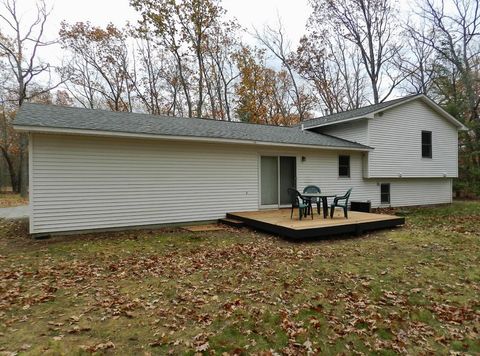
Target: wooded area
189 58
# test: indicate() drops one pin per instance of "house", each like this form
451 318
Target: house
94 169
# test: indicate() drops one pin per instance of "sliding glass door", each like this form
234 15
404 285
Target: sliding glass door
277 174
269 180
288 178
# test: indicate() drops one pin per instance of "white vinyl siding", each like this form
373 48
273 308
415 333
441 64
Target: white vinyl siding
87 182
421 191
90 182
322 170
356 131
396 137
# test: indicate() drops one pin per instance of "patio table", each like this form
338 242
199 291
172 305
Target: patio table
324 197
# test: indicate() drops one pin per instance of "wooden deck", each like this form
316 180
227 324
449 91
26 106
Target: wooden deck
278 222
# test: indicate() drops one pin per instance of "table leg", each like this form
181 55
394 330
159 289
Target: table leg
325 207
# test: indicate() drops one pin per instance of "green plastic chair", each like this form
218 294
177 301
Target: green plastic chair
343 205
313 189
298 202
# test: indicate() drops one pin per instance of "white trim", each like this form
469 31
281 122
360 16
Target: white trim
259 175
367 116
405 177
53 130
451 190
278 181
30 182
433 105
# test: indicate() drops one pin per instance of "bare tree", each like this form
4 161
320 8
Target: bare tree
99 64
21 43
333 69
156 79
274 39
80 80
455 38
222 44
370 26
419 62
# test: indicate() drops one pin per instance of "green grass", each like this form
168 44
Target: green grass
409 290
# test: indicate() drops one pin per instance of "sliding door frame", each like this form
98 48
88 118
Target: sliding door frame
278 205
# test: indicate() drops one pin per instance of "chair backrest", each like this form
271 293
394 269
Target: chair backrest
343 197
347 195
311 189
295 196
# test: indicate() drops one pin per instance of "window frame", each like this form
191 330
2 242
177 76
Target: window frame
344 166
429 145
382 193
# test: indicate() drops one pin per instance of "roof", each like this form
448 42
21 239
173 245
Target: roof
370 110
50 118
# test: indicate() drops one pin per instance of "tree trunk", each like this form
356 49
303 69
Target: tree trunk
211 96
11 171
184 83
200 82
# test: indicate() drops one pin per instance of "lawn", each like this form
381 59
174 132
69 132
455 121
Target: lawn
8 200
409 290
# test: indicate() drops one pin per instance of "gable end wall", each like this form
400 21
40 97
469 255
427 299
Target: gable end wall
395 136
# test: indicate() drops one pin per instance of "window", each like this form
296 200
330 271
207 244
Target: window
426 144
344 166
385 193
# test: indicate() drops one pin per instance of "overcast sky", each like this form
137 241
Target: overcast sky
249 13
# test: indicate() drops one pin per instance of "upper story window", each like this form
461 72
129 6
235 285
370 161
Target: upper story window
426 144
344 166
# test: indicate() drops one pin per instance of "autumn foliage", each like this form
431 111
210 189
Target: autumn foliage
262 93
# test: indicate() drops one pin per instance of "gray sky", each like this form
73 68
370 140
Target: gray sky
249 13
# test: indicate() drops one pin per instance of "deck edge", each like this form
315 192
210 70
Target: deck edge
318 232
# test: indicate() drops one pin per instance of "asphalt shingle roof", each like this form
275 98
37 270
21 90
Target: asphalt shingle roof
356 113
59 117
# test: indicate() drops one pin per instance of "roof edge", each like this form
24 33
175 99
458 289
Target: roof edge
371 114
120 134
366 116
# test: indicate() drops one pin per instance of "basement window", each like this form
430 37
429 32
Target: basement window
344 166
385 193
426 144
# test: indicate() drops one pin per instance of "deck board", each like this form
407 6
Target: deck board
278 221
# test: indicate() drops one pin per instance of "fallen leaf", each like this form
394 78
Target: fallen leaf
203 347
